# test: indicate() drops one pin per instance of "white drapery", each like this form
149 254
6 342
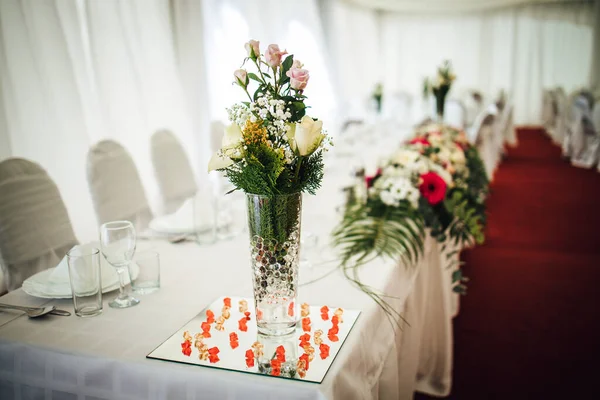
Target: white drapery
520 49
75 72
445 6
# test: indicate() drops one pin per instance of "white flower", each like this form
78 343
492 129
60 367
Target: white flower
405 157
458 156
420 167
305 137
232 139
444 155
392 190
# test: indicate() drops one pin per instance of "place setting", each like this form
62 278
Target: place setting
95 270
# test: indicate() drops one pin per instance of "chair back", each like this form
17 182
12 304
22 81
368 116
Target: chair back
548 115
508 128
115 185
172 169
483 122
596 118
474 105
35 229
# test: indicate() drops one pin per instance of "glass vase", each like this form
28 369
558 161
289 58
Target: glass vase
274 227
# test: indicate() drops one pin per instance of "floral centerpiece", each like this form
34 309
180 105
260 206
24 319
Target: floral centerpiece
440 86
273 152
377 96
435 181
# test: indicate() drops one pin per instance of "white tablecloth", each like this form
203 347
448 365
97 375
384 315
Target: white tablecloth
104 357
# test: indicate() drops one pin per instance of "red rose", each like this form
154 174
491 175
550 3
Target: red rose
433 188
420 140
369 180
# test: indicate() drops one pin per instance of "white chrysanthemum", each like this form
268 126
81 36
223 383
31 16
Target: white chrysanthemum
421 166
393 190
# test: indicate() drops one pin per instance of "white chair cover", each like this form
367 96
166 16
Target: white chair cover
584 138
548 116
455 113
560 127
508 127
473 102
482 135
115 185
173 171
35 229
596 125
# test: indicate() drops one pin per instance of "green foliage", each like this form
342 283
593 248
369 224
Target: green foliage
373 230
275 217
467 225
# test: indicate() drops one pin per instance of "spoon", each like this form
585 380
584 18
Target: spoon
34 312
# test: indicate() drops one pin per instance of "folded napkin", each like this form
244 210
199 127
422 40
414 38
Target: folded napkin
56 282
196 214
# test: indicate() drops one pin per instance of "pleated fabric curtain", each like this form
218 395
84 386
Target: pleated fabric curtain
520 49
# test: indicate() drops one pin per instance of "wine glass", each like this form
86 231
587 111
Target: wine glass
117 239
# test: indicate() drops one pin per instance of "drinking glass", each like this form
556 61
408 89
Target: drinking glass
118 246
86 281
148 278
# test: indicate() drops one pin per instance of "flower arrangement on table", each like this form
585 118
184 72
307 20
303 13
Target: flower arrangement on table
435 181
440 86
377 96
273 152
272 147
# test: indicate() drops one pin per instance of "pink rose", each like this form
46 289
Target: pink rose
273 55
241 77
253 49
297 64
298 78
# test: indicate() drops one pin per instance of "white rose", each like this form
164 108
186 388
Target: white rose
458 157
444 155
232 139
306 136
405 157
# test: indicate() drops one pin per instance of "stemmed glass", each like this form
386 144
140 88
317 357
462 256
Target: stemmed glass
118 246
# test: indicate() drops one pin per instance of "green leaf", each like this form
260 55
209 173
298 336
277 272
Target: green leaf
254 77
286 65
460 289
457 276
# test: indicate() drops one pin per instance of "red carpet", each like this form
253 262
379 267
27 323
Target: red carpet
529 327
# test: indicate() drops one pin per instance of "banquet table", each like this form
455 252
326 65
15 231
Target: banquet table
105 357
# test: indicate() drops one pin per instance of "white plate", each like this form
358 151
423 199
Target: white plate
39 286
